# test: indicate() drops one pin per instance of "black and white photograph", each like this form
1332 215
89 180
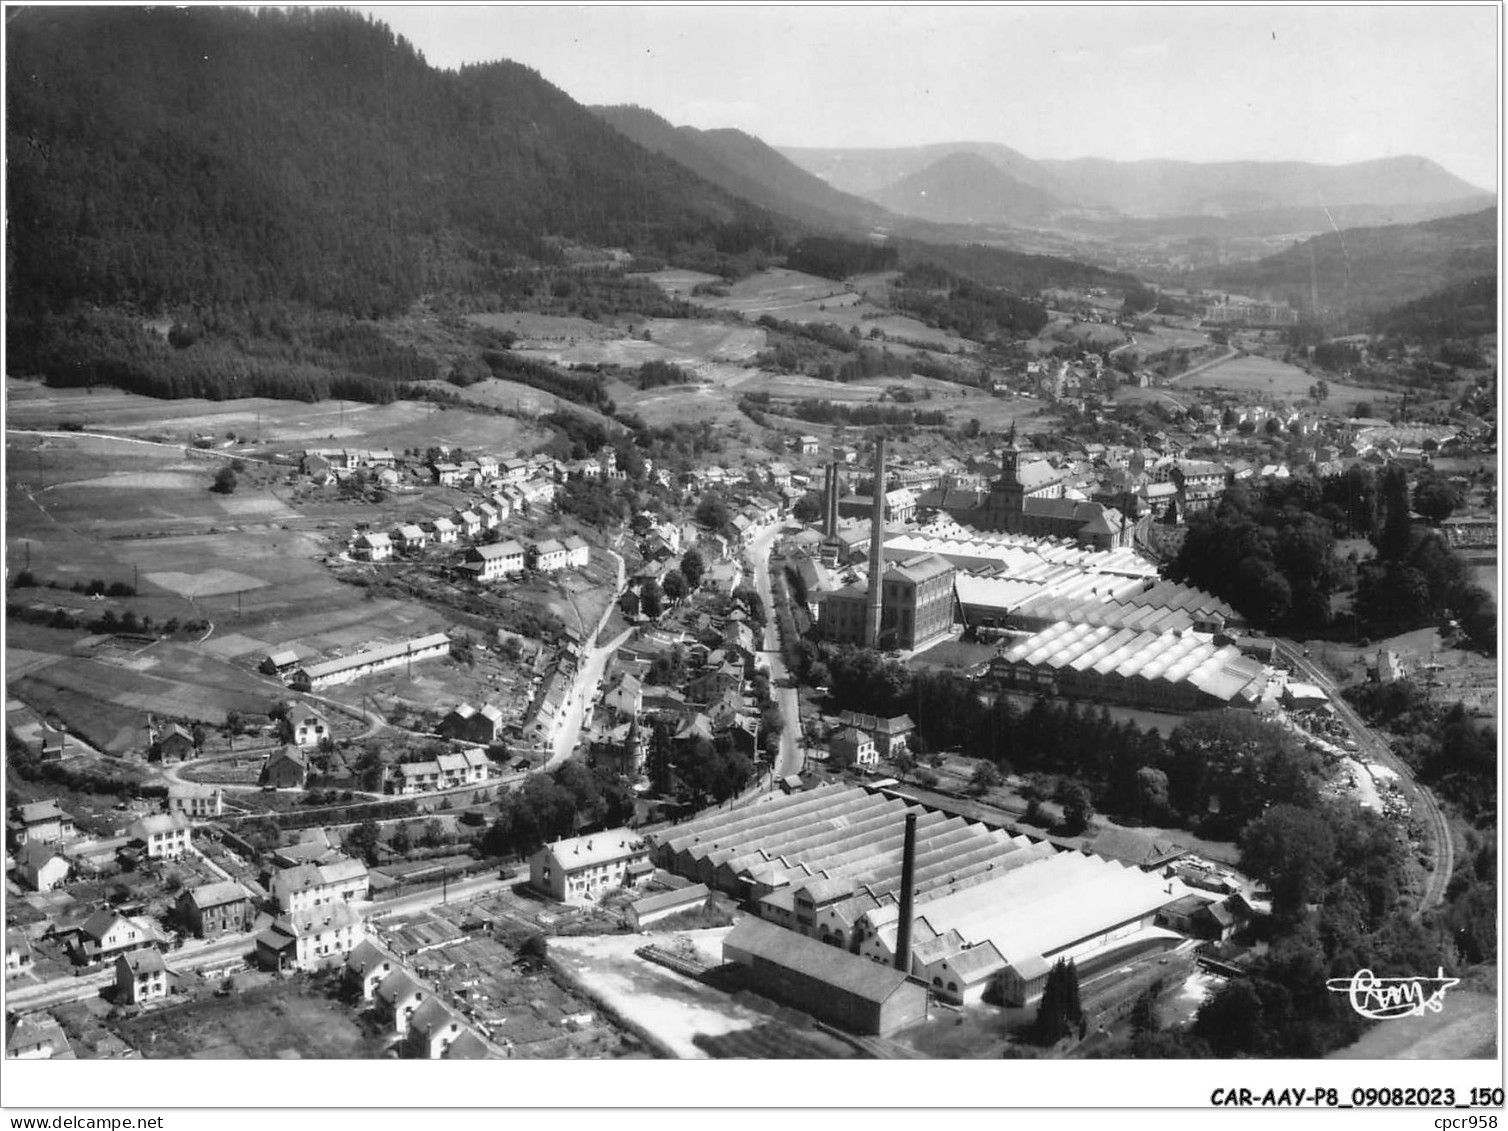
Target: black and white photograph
611 535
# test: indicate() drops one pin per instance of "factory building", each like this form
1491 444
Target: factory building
1016 926
1166 671
916 606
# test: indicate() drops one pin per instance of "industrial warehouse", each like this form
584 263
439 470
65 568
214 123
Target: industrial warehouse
840 879
1171 671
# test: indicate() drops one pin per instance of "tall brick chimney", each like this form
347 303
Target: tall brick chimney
908 895
876 606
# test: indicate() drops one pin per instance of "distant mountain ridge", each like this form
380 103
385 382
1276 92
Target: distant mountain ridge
1155 189
965 188
743 165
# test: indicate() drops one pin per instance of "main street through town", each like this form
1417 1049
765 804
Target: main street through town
780 682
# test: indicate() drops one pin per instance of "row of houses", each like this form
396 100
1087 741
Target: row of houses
424 1025
445 771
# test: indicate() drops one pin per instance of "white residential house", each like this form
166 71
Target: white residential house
306 726
470 523
307 886
165 835
41 866
140 976
309 940
410 538
373 547
194 801
578 552
443 531
549 555
500 559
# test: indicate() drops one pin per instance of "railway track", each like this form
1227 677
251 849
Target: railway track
1442 855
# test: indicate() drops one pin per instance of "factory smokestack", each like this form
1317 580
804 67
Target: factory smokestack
830 501
876 606
908 883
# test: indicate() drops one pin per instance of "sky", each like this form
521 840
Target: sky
1329 84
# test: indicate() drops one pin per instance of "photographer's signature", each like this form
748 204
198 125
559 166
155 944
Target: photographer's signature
1385 999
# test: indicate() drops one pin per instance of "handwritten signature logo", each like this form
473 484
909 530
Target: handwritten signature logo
1386 999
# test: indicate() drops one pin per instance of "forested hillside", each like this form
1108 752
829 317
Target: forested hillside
1370 268
162 157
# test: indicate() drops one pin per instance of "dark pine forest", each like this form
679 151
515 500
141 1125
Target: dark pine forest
239 171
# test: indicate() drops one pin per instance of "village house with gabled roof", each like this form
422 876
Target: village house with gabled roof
41 866
410 538
310 939
140 977
373 547
469 767
37 1036
366 966
342 880
173 742
213 909
498 559
166 836
304 726
548 556
106 934
578 551
42 821
443 531
287 769
18 952
432 1030
466 723
397 997
579 869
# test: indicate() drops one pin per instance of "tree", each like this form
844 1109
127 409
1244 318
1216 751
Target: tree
808 508
1292 849
1434 499
1144 1017
1059 1013
225 481
629 604
1077 807
674 586
401 841
651 598
363 840
712 512
985 778
693 567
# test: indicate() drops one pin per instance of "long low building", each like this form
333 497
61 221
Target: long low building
1171 671
832 985
372 660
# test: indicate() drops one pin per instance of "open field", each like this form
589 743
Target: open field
1091 335
280 1021
688 343
293 424
672 1008
512 396
795 297
1262 376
